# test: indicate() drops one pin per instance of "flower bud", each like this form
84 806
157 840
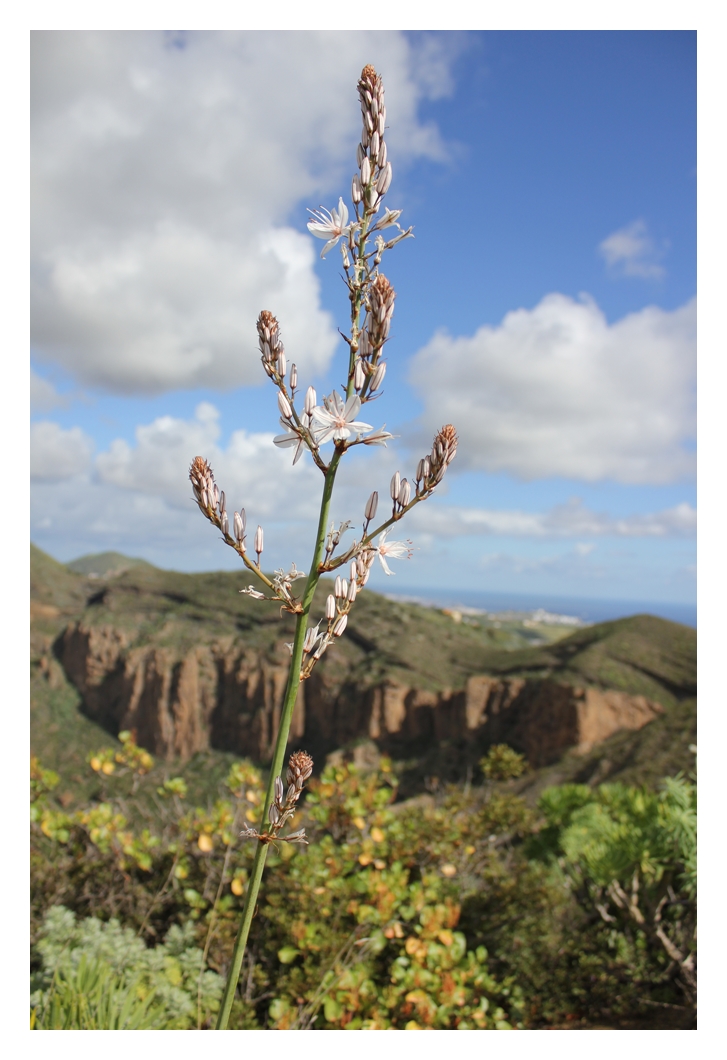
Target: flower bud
293 377
365 171
358 376
224 524
344 588
356 192
310 400
239 526
222 502
374 146
378 377
338 590
404 493
360 152
354 571
278 789
281 365
259 540
395 486
382 153
371 505
384 181
284 405
352 590
340 626
330 607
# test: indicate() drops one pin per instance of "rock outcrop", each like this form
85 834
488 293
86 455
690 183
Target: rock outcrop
225 696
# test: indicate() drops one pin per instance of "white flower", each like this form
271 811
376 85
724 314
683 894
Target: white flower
291 437
336 420
330 225
393 549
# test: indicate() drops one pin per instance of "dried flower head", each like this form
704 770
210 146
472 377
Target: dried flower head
203 483
300 767
444 450
271 345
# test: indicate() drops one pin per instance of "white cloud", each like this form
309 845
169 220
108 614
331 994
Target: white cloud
558 391
572 519
164 171
56 453
631 251
254 473
137 497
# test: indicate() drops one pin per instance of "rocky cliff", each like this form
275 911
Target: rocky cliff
227 697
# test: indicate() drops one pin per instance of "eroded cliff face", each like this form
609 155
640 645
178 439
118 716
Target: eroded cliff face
223 696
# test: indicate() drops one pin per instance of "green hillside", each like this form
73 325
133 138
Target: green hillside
104 563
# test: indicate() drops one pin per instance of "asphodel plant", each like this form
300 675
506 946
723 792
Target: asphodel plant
363 238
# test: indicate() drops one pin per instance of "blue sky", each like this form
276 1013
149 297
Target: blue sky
546 305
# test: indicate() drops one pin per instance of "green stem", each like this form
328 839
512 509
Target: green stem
276 766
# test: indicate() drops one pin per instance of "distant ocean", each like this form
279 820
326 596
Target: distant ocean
585 609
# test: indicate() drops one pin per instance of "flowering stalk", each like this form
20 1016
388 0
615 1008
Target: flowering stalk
338 419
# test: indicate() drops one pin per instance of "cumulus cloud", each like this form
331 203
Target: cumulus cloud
56 453
558 391
136 495
572 519
631 251
165 169
254 473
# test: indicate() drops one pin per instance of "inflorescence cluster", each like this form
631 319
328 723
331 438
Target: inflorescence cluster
309 425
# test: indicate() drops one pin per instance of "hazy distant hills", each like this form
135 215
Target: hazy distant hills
105 563
194 666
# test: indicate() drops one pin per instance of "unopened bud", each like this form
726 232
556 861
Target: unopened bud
395 486
354 571
278 789
382 153
259 540
215 498
344 588
222 503
239 527
365 171
358 376
273 813
340 626
284 405
330 607
310 400
281 363
352 589
224 524
371 505
293 377
374 146
360 152
356 192
404 493
384 181
378 377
